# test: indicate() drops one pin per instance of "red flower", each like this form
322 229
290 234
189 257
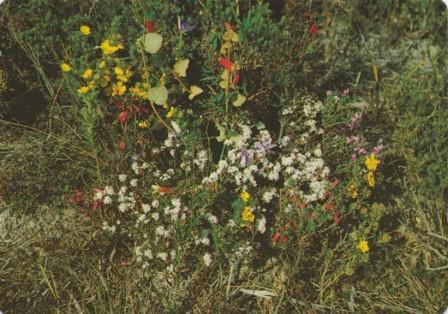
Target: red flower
123 116
125 263
275 237
335 183
329 206
150 27
313 29
226 63
283 238
236 77
122 146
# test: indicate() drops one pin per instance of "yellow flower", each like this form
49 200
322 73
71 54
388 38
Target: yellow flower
170 113
371 179
352 190
371 162
118 71
83 89
247 215
87 74
143 124
363 246
230 35
102 64
138 92
194 91
85 30
108 48
65 67
118 89
245 196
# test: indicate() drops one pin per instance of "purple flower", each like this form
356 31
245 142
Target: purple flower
185 27
264 147
245 158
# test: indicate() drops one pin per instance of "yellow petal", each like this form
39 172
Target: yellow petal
180 67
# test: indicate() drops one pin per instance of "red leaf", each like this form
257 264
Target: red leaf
236 78
226 63
150 27
123 116
336 217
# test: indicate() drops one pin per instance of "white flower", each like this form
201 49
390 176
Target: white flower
261 224
107 200
155 216
98 195
122 177
207 259
134 183
205 241
155 203
146 208
148 253
268 195
108 190
163 256
123 207
212 219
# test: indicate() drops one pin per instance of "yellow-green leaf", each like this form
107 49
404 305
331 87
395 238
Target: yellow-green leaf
152 42
158 94
180 67
194 91
239 100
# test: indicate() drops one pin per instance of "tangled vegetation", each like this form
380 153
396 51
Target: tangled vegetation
223 156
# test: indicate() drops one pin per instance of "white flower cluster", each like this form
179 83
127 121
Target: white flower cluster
253 159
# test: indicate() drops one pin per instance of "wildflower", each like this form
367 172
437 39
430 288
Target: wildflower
87 74
207 259
313 29
231 36
170 113
371 162
65 67
108 48
194 91
239 100
85 30
247 215
83 89
118 89
245 196
123 116
118 71
378 149
149 26
184 27
122 146
143 124
363 246
371 179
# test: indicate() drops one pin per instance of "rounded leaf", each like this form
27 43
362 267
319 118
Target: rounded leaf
158 94
152 42
180 67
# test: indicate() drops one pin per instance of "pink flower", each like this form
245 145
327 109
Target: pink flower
122 146
378 149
